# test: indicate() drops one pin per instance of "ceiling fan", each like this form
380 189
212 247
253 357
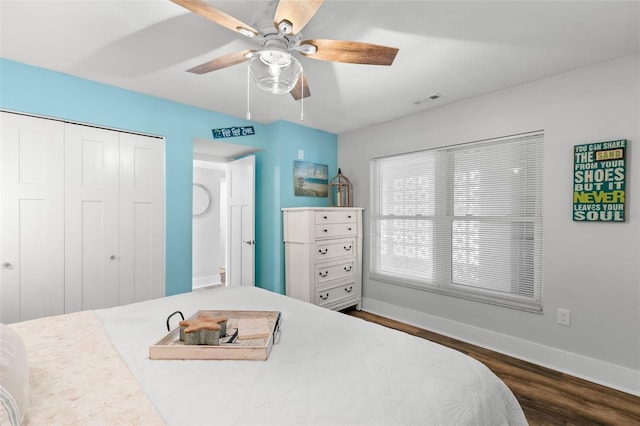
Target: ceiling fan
272 65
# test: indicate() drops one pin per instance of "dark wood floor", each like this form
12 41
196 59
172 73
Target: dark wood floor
547 397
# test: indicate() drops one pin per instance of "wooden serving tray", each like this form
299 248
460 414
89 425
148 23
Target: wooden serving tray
170 346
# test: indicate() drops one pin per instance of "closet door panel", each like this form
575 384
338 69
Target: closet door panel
82 218
92 218
31 218
142 218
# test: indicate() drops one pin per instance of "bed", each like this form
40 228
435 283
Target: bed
325 368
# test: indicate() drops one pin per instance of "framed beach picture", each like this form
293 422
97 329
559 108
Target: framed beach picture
310 179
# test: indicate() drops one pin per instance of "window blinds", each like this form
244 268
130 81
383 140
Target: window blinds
464 220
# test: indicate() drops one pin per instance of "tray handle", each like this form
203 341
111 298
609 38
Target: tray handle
276 329
169 317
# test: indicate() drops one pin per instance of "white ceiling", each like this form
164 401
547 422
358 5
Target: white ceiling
458 49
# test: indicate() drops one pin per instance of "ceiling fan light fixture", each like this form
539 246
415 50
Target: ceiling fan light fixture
275 57
275 70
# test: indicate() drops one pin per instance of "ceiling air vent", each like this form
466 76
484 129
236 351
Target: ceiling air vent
429 98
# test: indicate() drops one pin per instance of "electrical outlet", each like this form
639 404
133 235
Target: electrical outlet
564 317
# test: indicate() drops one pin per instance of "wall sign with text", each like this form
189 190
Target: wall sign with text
599 181
232 132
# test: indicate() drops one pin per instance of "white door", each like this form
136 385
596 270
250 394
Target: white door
92 225
81 217
115 218
241 212
31 217
141 254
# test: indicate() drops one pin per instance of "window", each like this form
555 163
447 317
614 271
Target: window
464 220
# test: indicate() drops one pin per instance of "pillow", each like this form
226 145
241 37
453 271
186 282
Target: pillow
14 377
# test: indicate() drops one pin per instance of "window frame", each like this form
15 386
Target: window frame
528 229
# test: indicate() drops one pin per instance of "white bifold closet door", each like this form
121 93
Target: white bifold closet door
100 240
31 218
142 225
92 218
114 209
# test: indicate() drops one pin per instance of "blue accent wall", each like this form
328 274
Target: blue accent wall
32 90
275 187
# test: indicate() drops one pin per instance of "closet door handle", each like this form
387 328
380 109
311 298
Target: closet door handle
113 257
7 265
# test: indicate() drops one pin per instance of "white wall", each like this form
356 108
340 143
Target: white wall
590 268
208 232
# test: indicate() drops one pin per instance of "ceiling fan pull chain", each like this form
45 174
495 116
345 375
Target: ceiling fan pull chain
248 86
302 99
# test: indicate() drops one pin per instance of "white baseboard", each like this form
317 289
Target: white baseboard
205 281
594 370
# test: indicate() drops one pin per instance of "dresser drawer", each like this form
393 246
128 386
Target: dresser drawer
335 294
335 216
342 270
331 250
333 230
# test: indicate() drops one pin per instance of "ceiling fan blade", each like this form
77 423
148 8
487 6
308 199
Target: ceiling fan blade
221 62
298 12
217 16
301 89
352 52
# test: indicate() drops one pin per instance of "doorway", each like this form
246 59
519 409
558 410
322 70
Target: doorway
210 238
209 223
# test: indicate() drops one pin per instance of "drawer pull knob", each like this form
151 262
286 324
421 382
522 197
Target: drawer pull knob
324 217
349 229
325 230
348 268
323 274
348 290
346 248
324 296
323 251
349 216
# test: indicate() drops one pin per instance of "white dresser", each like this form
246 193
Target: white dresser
323 255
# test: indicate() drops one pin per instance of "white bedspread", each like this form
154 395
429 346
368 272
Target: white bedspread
327 368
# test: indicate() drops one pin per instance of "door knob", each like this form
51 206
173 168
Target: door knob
7 265
250 242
